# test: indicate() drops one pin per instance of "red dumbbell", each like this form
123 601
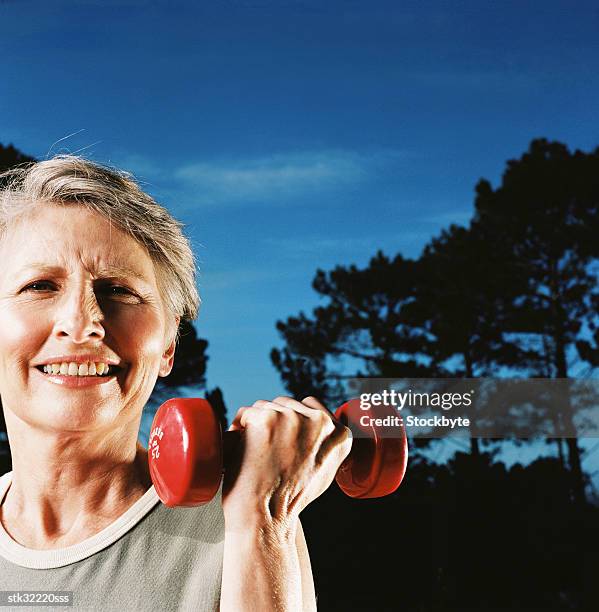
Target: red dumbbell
185 453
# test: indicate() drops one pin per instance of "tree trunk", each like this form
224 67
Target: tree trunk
574 462
474 442
560 451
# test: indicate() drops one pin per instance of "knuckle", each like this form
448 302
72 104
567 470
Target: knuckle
246 415
271 416
252 413
323 421
322 417
282 398
293 418
259 415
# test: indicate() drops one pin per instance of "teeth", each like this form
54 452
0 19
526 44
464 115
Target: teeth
77 369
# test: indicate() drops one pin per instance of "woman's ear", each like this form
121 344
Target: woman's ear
168 357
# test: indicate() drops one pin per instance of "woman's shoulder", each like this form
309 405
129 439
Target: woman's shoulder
148 526
201 523
170 559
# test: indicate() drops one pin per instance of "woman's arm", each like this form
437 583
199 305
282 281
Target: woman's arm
308 593
267 570
290 455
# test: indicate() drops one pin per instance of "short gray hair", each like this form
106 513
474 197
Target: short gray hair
114 194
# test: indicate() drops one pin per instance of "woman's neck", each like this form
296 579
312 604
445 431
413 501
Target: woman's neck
67 505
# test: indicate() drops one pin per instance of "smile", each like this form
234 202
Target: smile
90 368
78 378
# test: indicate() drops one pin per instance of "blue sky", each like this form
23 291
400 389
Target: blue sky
290 136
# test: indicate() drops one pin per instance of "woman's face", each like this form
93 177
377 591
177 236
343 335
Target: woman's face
74 285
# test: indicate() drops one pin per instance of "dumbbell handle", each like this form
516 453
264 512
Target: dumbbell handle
231 442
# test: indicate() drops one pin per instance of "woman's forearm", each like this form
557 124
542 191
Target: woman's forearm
289 455
261 570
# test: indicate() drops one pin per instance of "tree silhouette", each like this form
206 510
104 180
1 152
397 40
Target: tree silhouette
10 157
542 219
217 401
461 288
515 290
189 366
189 371
363 324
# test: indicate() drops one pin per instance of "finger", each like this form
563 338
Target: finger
310 402
268 417
292 416
341 437
236 423
341 434
287 405
340 441
316 404
314 410
280 408
239 416
292 404
248 414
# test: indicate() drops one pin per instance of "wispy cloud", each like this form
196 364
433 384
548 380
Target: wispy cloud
327 252
280 177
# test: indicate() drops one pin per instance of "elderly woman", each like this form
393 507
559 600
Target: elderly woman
96 277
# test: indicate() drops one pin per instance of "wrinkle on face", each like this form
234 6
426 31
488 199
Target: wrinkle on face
79 252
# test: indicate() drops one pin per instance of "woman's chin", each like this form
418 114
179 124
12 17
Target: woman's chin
74 417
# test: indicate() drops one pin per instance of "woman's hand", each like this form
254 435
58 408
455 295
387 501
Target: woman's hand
289 455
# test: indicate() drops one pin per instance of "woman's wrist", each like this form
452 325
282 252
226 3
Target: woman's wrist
260 527
261 566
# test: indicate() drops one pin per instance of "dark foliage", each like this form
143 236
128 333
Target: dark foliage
217 401
189 367
469 535
515 291
10 157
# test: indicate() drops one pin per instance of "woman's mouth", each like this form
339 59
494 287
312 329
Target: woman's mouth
78 374
89 368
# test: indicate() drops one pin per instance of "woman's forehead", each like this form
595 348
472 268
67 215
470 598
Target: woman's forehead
53 238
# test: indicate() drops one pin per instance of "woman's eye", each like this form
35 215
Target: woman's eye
37 286
115 290
118 291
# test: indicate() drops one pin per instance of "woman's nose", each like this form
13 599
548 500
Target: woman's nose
80 317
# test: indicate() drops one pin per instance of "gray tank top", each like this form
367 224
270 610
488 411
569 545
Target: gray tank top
151 558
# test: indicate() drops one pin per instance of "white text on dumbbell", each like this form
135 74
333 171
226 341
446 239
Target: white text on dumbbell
156 435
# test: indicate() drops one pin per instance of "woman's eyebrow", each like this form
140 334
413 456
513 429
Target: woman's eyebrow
106 271
121 271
